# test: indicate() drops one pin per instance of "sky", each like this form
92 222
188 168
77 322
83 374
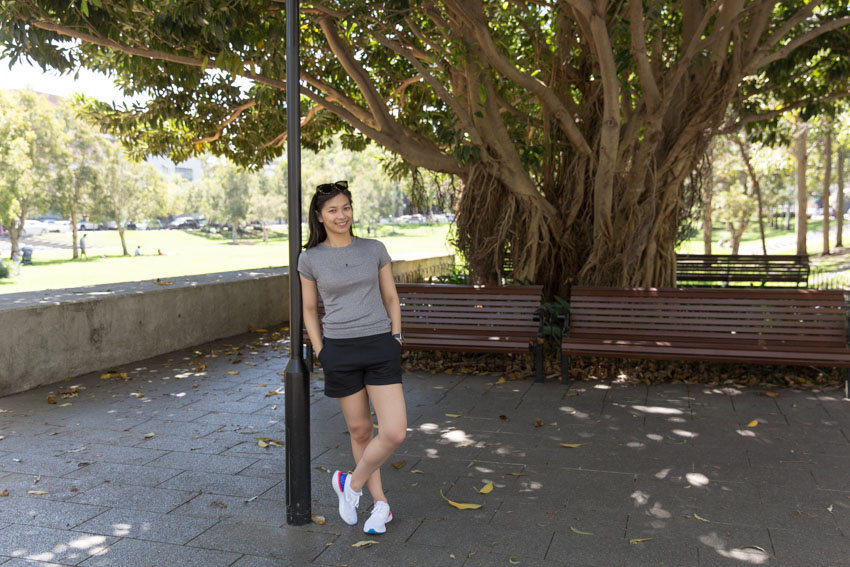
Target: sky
25 76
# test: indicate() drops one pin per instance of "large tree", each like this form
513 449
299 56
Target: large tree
573 124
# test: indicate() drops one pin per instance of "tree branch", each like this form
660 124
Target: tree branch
757 63
239 110
357 73
780 111
281 139
542 91
651 95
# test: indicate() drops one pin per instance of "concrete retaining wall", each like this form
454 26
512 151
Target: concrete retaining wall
51 335
48 336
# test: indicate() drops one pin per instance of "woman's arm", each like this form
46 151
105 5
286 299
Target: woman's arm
310 301
389 295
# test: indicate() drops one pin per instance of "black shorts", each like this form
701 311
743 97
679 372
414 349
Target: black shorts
352 364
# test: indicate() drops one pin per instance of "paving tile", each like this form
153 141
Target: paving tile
204 463
289 543
261 422
255 561
33 511
230 485
124 474
459 533
57 488
213 506
95 452
139 524
26 563
136 553
117 495
809 547
50 545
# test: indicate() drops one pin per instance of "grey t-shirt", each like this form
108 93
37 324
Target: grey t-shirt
347 279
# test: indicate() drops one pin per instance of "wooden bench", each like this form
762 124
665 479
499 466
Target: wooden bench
465 318
796 327
726 269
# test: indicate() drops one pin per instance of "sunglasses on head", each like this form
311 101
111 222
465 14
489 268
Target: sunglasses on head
326 188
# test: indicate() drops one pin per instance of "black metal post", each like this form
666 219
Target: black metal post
297 378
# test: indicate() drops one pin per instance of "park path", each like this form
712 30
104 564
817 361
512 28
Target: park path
162 466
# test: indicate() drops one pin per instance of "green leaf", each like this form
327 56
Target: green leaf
84 8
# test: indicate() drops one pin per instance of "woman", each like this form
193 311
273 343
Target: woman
358 343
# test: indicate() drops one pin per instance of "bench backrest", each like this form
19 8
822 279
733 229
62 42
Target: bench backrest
446 308
742 268
817 318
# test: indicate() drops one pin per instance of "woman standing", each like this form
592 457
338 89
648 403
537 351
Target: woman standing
358 343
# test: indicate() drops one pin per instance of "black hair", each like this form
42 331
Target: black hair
323 194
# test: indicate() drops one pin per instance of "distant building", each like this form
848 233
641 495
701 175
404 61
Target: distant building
192 169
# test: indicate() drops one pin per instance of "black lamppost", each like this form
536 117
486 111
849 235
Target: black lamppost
297 377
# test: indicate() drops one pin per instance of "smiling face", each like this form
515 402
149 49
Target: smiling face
336 215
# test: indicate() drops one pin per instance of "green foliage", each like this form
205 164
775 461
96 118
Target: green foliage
5 270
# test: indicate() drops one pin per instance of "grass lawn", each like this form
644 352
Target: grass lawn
187 253
778 241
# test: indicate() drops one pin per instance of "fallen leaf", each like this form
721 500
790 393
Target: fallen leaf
513 560
66 404
36 479
74 489
398 464
139 395
4 492
262 443
317 519
417 471
700 518
503 417
452 415
2 437
233 372
487 488
539 423
38 492
571 445
640 539
364 543
274 393
162 282
461 505
259 330
251 499
218 504
771 394
149 435
500 381
753 423
579 532
51 399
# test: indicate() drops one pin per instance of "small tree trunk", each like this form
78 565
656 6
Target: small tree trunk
756 188
736 235
121 229
827 174
265 233
74 232
839 206
707 226
802 162
233 231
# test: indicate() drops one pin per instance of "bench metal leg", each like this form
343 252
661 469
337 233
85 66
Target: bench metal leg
538 362
565 369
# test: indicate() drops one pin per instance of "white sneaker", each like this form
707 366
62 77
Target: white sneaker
348 499
381 516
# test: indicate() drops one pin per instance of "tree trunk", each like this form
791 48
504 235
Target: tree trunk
827 179
736 234
74 232
707 226
121 229
756 188
839 207
265 233
802 194
233 232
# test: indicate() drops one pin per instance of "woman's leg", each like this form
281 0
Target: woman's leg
358 418
388 401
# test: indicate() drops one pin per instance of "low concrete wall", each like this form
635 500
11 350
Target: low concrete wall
51 335
47 336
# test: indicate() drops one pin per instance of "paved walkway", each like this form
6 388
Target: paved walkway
165 470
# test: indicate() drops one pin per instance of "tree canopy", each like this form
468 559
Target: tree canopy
573 124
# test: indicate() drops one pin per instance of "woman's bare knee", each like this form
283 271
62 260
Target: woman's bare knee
361 432
393 436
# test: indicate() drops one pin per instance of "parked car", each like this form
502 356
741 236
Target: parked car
34 227
58 225
87 225
184 223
